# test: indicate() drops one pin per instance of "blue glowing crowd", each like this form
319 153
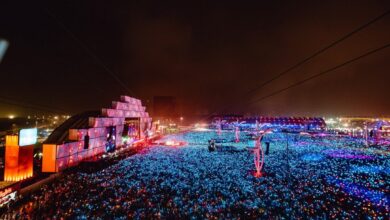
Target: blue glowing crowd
304 177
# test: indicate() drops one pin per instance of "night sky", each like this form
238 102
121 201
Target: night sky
206 53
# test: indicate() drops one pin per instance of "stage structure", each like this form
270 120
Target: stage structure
290 123
219 128
237 134
259 154
90 134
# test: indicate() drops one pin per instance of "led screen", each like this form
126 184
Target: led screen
28 136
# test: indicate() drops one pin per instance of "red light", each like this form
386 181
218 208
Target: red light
257 174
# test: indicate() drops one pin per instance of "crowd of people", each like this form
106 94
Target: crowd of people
304 177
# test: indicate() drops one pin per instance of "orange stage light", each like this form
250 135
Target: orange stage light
18 160
49 158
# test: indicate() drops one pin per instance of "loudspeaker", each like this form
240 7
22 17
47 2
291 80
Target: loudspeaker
266 148
86 141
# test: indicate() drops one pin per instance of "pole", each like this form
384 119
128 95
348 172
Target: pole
366 133
288 169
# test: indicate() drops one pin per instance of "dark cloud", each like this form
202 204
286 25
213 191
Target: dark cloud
206 53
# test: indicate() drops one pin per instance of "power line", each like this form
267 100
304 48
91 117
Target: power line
90 53
300 63
322 73
31 106
12 99
348 35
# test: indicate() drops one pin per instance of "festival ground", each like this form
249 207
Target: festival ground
306 177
